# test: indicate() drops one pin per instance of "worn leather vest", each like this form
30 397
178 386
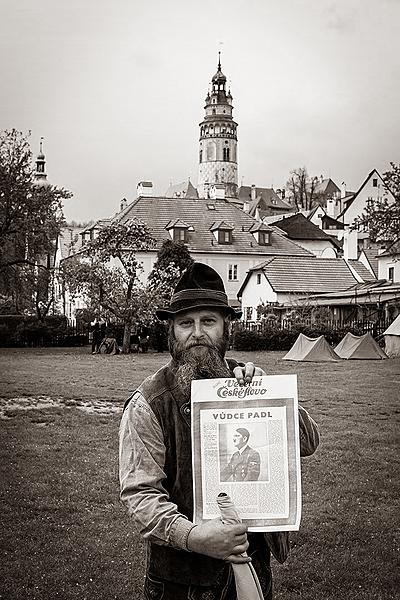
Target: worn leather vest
172 411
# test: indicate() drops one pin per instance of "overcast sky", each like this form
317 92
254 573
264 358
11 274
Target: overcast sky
117 89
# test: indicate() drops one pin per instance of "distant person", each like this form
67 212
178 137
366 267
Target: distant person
244 464
96 336
144 336
109 344
134 338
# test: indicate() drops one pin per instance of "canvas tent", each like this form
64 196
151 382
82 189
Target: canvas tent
392 338
311 350
359 347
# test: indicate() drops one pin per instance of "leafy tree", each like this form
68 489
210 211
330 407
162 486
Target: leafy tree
382 217
302 189
30 221
106 273
172 259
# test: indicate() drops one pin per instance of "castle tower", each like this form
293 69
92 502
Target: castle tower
218 140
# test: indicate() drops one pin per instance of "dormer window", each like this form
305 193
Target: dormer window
178 230
222 232
261 233
264 238
224 236
180 235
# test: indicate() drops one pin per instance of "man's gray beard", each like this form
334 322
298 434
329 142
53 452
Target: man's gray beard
202 360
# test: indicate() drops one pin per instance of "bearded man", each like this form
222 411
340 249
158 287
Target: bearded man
187 561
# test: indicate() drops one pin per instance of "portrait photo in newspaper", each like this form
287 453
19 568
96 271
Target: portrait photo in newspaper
245 444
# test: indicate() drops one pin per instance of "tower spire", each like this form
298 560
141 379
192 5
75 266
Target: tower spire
40 173
218 140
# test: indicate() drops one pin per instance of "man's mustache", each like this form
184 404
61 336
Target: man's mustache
202 343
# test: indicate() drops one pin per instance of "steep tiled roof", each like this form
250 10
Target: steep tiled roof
371 255
270 197
159 212
323 186
182 190
305 275
361 270
298 227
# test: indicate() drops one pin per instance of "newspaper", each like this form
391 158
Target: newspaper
245 442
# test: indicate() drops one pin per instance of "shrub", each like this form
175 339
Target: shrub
272 337
22 330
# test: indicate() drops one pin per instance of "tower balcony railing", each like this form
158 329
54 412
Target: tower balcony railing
231 136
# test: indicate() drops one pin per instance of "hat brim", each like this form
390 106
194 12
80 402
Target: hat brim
164 314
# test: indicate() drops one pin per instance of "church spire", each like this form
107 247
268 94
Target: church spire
40 173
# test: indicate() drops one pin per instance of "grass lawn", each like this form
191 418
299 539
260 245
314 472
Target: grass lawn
65 534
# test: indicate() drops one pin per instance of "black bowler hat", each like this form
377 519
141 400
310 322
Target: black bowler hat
199 287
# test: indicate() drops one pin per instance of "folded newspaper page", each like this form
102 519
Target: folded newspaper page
245 442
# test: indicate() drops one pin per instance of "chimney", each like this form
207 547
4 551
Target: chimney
343 190
253 192
350 244
144 189
217 191
123 204
246 206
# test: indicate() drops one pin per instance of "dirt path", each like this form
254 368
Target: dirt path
9 407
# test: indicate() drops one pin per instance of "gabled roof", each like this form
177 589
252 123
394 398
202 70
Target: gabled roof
182 190
323 185
326 219
99 224
267 196
371 256
348 201
260 227
221 225
361 270
177 223
298 227
157 212
304 275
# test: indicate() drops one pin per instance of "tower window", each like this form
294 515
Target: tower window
201 156
213 111
226 154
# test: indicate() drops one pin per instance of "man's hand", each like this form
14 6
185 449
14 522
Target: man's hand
245 374
215 539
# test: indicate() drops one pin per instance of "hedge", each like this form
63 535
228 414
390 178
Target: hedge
21 330
271 337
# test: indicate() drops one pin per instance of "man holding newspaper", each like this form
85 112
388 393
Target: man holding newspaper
184 560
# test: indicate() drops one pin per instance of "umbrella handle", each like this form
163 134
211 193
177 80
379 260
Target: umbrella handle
246 580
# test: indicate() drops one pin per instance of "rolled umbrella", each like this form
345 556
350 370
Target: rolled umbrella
246 580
